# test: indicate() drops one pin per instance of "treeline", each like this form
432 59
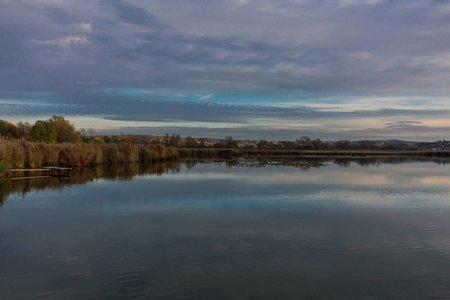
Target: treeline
59 130
303 143
306 143
54 130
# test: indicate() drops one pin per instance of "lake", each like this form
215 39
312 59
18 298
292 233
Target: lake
303 229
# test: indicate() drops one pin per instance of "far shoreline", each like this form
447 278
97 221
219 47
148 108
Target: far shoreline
233 153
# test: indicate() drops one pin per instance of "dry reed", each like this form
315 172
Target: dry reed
25 154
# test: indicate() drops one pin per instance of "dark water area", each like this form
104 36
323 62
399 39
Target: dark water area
303 229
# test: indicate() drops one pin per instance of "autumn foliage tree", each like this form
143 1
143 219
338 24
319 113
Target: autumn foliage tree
65 132
8 130
43 131
55 130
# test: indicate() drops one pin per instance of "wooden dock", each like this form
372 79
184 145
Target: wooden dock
44 172
28 177
27 170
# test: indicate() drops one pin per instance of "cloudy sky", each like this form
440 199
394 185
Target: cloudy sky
277 70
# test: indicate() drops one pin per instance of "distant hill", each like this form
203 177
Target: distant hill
400 142
394 142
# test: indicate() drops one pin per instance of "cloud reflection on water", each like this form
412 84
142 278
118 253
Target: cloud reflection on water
216 231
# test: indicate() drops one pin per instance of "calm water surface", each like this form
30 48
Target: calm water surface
337 230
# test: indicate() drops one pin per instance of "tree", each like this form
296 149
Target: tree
8 130
65 132
91 131
190 142
343 145
287 144
2 128
303 142
43 131
173 140
24 128
317 144
263 144
366 145
12 131
230 142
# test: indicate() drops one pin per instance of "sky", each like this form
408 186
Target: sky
250 69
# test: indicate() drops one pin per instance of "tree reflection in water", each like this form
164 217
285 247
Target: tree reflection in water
82 176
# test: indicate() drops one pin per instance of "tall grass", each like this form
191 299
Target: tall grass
25 154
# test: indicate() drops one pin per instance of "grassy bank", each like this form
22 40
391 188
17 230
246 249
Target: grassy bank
25 154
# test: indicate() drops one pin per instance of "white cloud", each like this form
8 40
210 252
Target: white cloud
361 55
205 97
66 41
359 2
85 26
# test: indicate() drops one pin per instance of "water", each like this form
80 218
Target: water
330 229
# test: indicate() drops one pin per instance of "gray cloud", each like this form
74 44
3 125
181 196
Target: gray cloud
402 124
308 46
135 15
412 133
66 49
165 108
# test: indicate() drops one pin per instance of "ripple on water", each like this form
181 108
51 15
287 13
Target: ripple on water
128 285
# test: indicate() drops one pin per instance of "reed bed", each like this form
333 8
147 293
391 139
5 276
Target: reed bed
25 154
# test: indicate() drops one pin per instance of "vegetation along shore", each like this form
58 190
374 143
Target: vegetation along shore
55 142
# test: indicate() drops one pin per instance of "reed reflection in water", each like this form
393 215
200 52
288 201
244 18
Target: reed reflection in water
297 229
81 176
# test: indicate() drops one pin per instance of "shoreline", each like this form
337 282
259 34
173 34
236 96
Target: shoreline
232 153
25 155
